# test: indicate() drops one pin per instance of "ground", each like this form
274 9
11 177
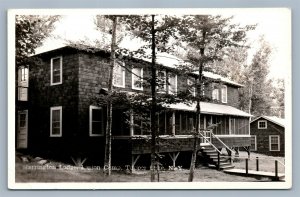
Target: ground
29 169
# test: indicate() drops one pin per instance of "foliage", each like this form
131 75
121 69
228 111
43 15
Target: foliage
31 30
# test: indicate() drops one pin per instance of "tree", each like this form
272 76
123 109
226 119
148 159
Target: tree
31 30
208 37
155 31
256 94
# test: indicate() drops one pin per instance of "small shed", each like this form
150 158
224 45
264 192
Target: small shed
267 135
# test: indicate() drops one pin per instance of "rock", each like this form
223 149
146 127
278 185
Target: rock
42 162
37 159
24 159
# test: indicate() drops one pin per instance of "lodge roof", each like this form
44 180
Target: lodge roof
274 119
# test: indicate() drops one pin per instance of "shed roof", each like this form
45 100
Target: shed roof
211 108
274 119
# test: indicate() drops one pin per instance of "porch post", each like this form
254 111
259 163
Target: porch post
131 124
173 123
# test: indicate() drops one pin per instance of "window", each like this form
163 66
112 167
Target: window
23 84
119 75
172 87
274 143
137 78
56 121
191 86
56 70
231 126
253 143
215 94
161 77
224 94
262 124
96 121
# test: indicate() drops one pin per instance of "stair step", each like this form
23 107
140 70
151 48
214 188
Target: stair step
212 153
224 163
221 159
209 150
229 166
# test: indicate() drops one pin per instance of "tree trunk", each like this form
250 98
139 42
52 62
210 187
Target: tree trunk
153 104
107 156
198 114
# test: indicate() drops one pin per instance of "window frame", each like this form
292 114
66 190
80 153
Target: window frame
133 76
60 121
218 95
266 123
51 70
91 134
122 65
191 84
224 87
169 84
232 127
255 142
164 90
270 142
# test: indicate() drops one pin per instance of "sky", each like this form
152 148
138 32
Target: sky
274 24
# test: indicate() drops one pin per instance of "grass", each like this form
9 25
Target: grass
53 171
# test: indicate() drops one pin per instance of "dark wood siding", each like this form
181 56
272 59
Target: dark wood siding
262 137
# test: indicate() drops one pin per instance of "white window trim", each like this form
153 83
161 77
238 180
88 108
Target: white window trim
169 85
218 94
51 71
60 122
123 73
165 82
90 121
255 144
270 147
141 79
224 92
262 127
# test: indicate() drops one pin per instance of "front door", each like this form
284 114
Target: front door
22 133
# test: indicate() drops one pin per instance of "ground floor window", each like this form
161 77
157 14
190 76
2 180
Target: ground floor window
274 143
96 125
56 121
253 143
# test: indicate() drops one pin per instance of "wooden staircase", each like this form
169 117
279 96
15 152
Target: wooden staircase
215 159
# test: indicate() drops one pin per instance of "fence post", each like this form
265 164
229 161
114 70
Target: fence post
257 164
276 170
247 166
218 161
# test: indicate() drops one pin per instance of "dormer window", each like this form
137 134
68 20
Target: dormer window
119 75
56 70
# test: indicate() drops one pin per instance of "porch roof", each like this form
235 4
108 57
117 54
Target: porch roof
210 108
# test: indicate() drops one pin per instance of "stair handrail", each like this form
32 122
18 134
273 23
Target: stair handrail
210 143
227 147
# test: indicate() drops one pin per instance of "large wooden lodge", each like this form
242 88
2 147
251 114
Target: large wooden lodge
57 116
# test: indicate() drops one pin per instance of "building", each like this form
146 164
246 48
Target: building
267 134
62 119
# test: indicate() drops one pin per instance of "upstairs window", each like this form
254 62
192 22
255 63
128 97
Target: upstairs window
137 78
262 124
96 121
23 84
56 121
172 87
224 94
56 70
191 86
215 94
119 75
274 143
161 80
